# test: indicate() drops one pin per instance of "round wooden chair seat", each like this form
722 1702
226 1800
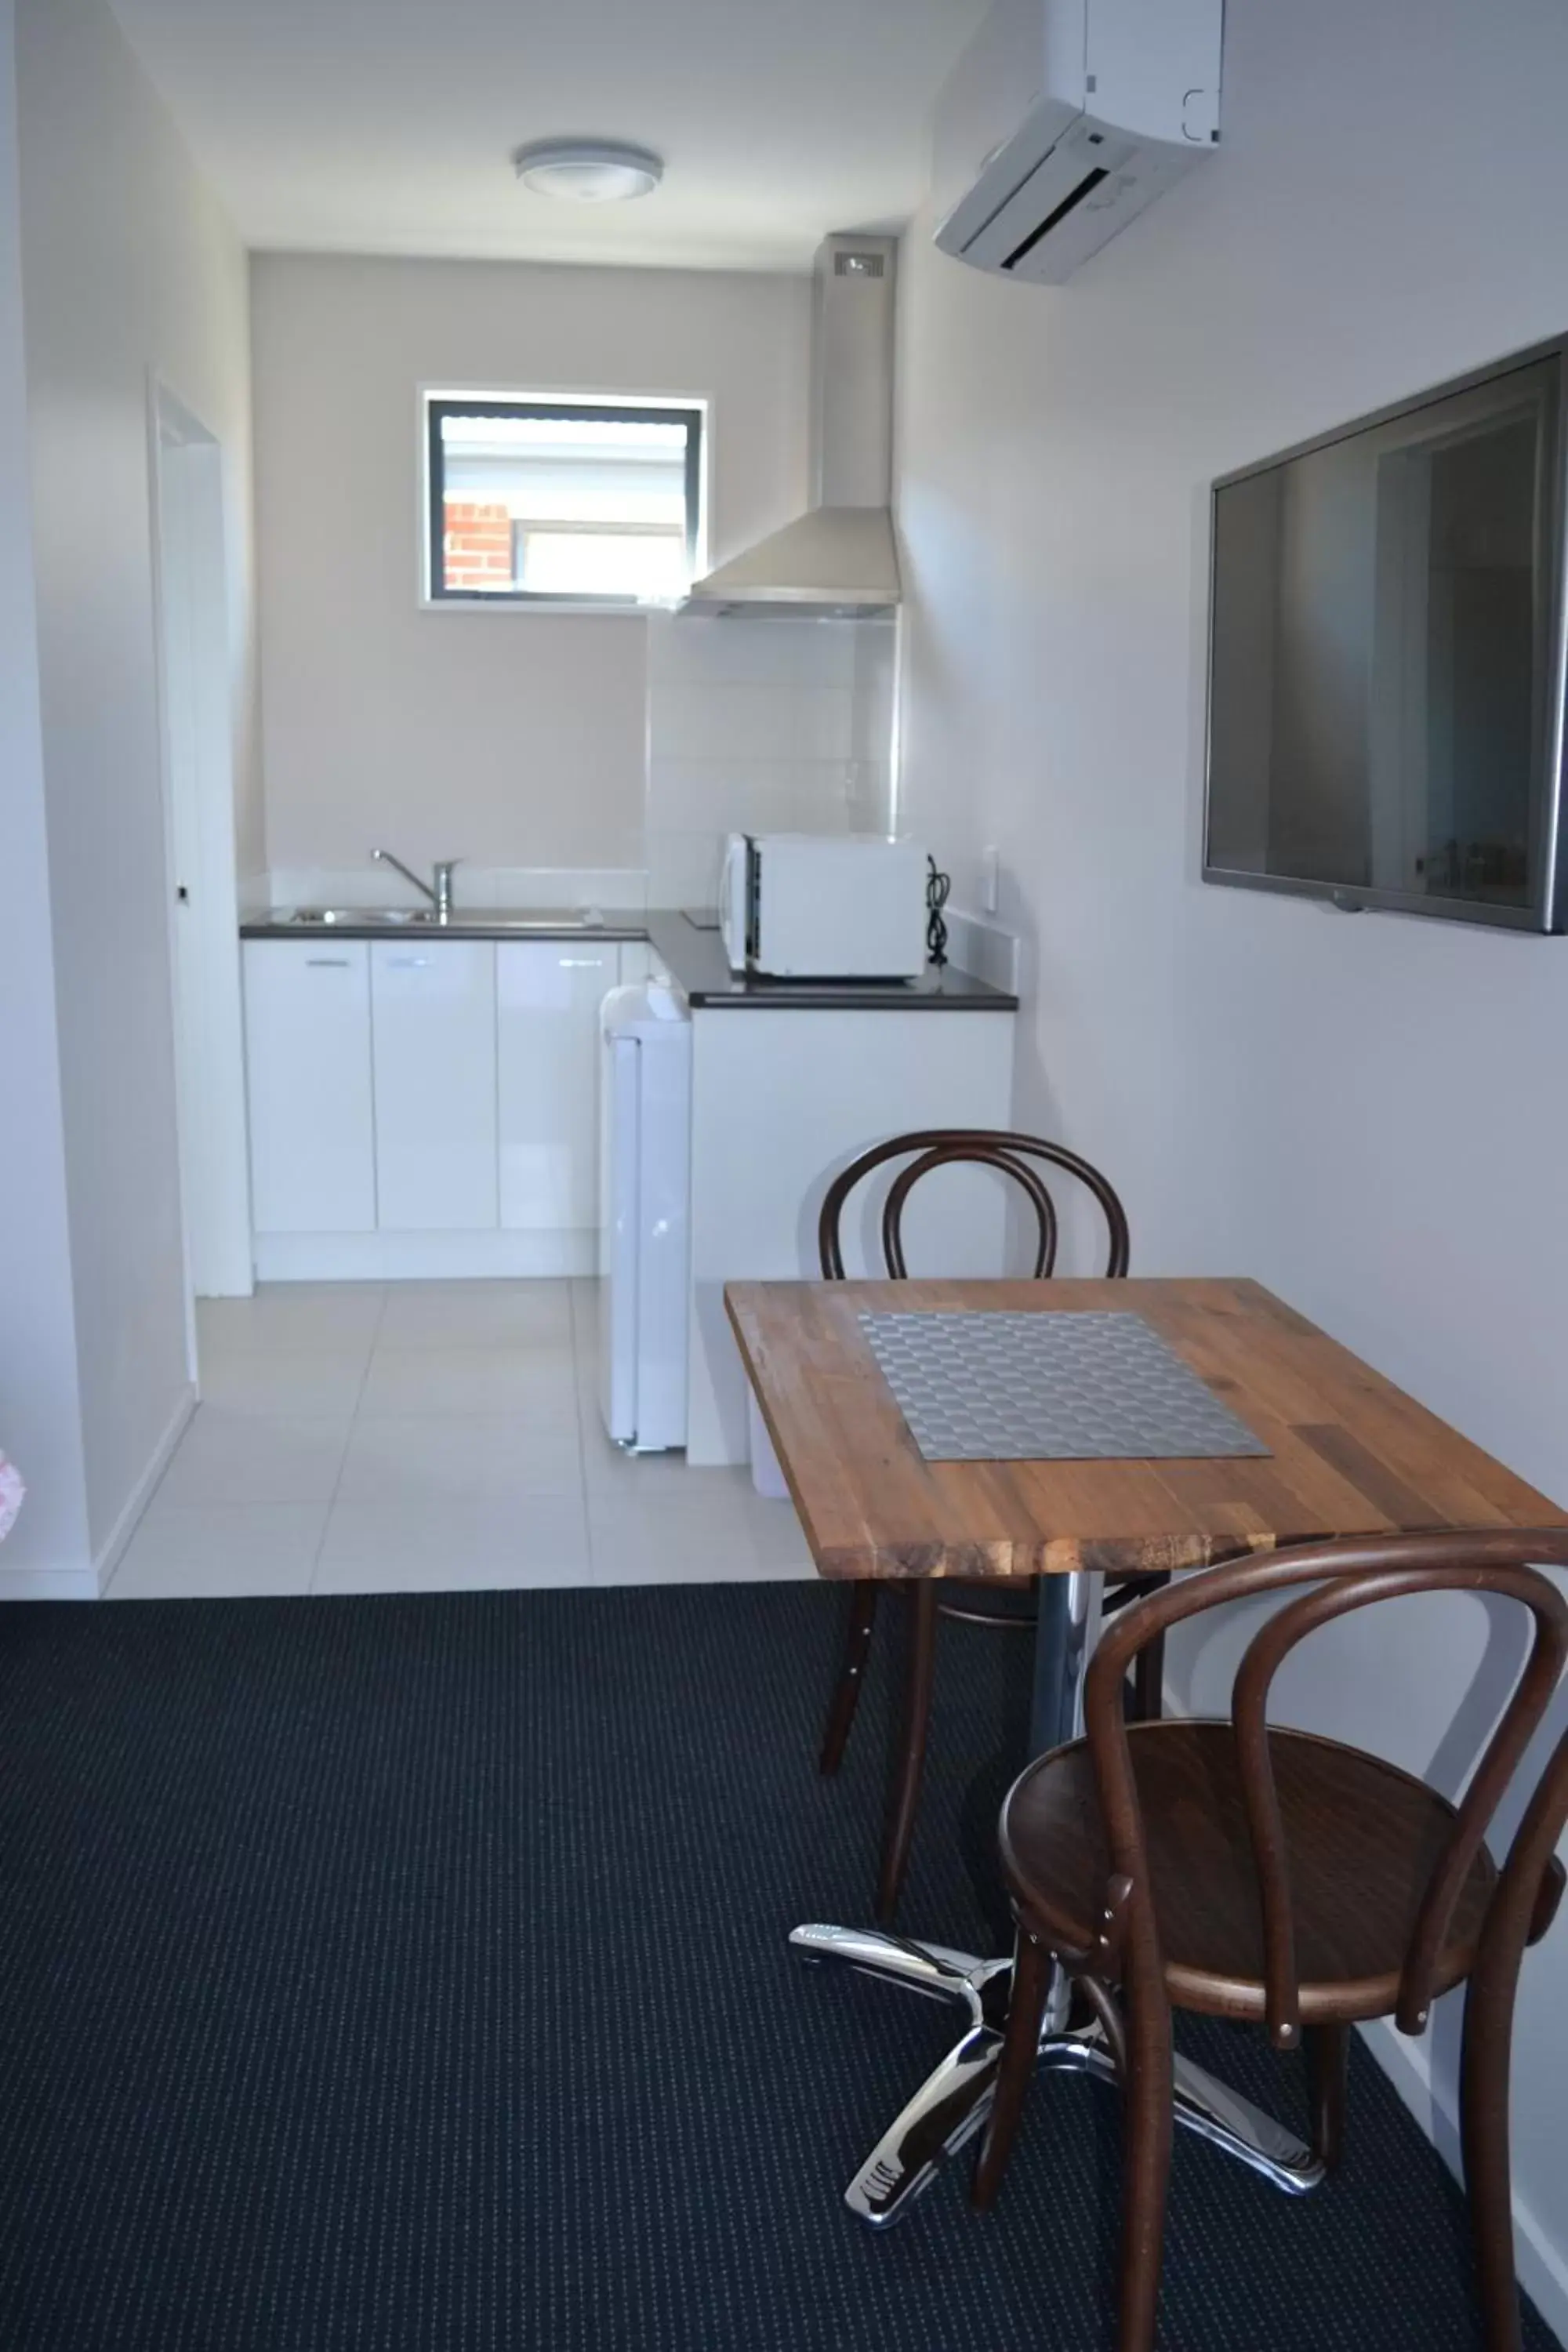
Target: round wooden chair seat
1361 1840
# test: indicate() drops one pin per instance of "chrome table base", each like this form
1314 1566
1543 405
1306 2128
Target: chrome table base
952 2104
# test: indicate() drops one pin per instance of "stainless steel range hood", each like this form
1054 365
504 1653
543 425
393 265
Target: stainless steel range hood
838 560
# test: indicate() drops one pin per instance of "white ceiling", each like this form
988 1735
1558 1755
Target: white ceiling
387 126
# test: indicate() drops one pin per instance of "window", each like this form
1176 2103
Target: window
562 501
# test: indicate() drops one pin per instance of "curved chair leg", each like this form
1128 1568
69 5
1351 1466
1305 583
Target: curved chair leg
1484 2131
1328 2069
851 1673
1025 2015
1520 1911
1146 2160
903 1796
1484 2125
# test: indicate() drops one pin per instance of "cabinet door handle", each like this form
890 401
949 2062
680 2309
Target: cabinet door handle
327 963
407 963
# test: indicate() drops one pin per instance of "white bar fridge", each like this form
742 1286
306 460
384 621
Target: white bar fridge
645 1147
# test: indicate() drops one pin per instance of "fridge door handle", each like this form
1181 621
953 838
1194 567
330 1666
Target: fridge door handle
620 1186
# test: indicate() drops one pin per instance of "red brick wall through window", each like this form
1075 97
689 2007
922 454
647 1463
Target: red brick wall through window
475 545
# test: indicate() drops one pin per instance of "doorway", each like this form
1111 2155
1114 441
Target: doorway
195 678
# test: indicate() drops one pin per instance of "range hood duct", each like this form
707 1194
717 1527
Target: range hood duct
839 560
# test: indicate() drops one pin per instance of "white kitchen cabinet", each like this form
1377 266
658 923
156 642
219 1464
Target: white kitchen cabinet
433 1017
549 993
307 1033
427 1106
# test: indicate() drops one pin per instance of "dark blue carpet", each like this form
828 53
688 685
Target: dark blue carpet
410 1973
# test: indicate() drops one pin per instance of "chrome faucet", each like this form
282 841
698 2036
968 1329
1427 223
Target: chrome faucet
440 896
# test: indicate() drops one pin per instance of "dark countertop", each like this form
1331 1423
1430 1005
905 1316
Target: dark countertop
695 959
467 923
698 962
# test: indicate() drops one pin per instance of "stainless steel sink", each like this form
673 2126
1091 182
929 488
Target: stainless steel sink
396 917
548 924
466 919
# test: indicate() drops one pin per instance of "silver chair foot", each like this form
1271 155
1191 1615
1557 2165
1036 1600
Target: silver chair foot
952 2103
1217 2113
947 2110
1203 2105
934 1969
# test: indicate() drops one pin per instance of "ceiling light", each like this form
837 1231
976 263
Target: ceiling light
589 170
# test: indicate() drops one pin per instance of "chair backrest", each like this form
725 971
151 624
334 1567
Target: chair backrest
1345 1576
943 1147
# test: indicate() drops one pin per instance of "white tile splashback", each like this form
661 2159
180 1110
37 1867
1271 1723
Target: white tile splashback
616 889
752 727
762 727
875 693
692 718
986 951
780 795
683 869
680 647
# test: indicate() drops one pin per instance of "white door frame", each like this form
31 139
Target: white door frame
197 670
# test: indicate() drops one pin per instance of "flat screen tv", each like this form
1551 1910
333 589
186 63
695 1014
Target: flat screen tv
1386 650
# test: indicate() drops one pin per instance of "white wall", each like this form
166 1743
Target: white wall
513 738
1368 1115
129 269
39 1404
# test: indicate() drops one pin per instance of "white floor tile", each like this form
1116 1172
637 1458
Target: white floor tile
590 1410
223 1551
610 1469
430 1436
585 1289
286 1380
540 1539
539 1382
418 1572
655 1521
664 1481
340 1316
585 1323
249 1458
653 1532
659 1556
778 1538
683 1564
477 1314
413 1459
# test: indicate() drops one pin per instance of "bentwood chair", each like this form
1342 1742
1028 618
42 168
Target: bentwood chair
1269 1875
1015 1156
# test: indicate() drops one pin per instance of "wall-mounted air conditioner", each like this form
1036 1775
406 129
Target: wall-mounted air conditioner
1064 118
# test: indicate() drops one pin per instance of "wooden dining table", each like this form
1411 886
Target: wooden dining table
1347 1454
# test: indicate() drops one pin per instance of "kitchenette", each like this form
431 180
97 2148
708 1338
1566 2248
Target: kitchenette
643 1064
431 1095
